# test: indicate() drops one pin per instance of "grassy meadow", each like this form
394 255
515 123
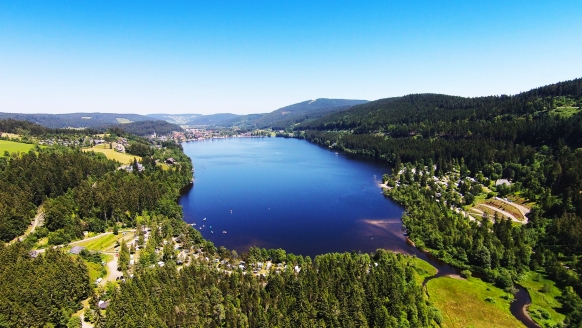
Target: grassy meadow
13 147
471 303
112 154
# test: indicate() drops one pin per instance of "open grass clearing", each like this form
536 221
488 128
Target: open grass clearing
10 135
105 242
471 303
564 112
122 120
543 293
14 147
113 155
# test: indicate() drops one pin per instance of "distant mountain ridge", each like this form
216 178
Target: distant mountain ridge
76 120
132 123
303 111
278 119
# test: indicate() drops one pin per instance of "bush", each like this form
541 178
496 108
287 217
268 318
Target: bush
490 300
544 314
94 257
466 274
58 237
437 315
74 322
504 279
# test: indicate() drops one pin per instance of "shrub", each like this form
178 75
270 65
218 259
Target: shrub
466 274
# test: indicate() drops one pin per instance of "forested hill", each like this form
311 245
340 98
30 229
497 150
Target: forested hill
76 120
146 128
410 114
304 111
214 119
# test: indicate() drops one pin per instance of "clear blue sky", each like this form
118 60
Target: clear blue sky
256 56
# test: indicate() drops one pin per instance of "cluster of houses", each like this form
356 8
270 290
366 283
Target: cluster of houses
129 168
60 142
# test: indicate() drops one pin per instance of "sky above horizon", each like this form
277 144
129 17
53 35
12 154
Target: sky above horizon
245 57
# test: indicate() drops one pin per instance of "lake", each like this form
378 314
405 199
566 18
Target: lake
290 194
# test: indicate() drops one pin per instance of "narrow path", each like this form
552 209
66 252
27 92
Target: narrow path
36 222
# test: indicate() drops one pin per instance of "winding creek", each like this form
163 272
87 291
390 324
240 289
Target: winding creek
290 194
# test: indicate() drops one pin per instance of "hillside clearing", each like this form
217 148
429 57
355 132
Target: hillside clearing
113 155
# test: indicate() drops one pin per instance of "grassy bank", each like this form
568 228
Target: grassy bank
471 303
423 269
544 304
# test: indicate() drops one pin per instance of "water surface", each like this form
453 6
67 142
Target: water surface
290 194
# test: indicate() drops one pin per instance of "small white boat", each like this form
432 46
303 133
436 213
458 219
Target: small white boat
224 231
204 219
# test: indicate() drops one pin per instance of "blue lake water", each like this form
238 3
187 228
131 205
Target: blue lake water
290 194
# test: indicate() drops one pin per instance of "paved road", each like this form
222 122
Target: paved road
112 273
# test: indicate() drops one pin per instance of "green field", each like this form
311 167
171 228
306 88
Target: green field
471 303
116 156
13 147
543 293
